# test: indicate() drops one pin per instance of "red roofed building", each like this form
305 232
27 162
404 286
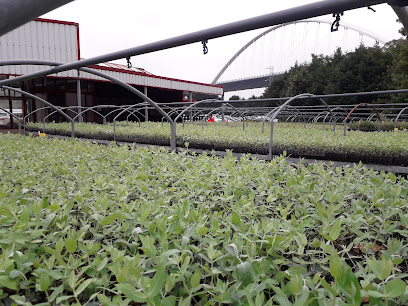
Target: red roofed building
54 40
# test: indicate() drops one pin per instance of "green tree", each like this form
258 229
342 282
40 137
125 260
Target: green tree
403 31
365 69
234 98
277 87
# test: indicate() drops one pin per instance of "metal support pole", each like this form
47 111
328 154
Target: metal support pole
23 103
275 115
146 113
79 101
146 108
18 12
173 136
10 108
270 142
190 99
399 114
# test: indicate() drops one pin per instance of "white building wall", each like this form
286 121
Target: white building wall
59 42
149 81
39 40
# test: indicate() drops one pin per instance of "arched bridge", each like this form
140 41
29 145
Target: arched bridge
280 47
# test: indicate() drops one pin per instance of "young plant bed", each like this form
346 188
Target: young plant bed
370 126
84 223
311 142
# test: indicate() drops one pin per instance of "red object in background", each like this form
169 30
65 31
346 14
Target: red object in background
211 120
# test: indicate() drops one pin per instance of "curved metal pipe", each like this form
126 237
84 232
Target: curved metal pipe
87 109
34 111
195 104
399 114
127 110
105 76
62 108
354 108
133 113
46 103
243 118
283 106
266 116
29 114
336 108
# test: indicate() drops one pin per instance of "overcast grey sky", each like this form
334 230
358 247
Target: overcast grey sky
111 25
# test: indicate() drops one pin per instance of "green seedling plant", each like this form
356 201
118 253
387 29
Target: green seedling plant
83 224
287 136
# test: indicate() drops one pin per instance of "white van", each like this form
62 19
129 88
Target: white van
5 118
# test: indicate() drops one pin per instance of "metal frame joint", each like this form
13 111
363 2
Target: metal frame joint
336 23
205 48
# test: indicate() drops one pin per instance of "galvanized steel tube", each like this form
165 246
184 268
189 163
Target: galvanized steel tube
14 13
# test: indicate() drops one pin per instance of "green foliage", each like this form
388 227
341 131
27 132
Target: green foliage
365 69
235 98
286 136
400 74
81 222
378 126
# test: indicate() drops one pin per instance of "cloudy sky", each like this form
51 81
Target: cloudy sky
112 25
